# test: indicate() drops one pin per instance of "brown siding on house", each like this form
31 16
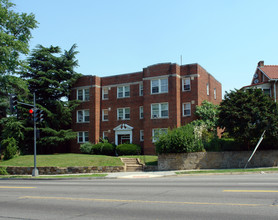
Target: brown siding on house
175 98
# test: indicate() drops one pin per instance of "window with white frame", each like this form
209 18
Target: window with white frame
186 109
186 84
214 93
83 94
123 113
141 112
156 132
141 135
105 93
160 110
123 91
82 136
207 88
105 115
159 86
141 89
105 135
83 116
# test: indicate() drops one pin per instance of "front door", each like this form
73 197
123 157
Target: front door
123 138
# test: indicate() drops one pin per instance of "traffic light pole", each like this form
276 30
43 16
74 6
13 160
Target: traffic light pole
35 171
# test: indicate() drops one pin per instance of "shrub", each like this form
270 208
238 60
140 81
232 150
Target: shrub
128 149
10 146
103 149
179 140
3 171
86 148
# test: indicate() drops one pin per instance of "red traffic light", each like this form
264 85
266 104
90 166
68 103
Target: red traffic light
31 111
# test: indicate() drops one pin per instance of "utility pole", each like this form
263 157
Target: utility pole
35 171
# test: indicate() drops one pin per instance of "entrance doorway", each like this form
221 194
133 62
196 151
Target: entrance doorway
123 134
123 138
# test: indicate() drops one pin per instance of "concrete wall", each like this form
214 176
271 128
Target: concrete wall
216 160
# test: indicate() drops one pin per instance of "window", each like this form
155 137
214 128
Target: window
82 136
186 109
159 110
123 91
159 86
141 112
141 135
141 89
214 93
83 94
186 84
267 92
123 113
156 132
105 115
83 116
104 93
105 135
207 88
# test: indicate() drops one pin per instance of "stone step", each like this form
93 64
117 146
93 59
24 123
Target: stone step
132 164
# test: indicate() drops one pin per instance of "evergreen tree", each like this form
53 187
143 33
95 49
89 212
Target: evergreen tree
245 114
50 76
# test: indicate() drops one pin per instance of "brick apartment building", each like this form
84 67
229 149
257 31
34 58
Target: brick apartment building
265 78
134 107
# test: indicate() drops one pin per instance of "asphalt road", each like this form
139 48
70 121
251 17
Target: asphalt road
248 196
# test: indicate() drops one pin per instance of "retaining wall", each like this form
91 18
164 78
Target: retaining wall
64 170
217 160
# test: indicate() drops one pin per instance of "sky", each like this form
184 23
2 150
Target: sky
226 37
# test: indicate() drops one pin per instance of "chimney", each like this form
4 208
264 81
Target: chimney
261 63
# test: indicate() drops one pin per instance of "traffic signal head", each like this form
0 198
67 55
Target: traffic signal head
13 103
31 114
40 116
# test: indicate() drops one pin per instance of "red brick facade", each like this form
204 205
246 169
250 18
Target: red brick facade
163 100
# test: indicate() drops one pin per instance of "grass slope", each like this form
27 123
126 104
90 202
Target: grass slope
68 160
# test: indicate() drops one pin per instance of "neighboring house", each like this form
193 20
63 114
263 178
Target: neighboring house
136 107
265 78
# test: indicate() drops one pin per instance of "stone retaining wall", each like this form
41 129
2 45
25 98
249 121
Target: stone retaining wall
63 170
217 160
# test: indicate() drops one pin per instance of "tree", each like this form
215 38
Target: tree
50 75
245 114
208 113
15 33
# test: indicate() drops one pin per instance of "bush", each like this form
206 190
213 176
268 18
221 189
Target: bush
86 148
223 144
179 140
128 149
10 146
103 149
3 171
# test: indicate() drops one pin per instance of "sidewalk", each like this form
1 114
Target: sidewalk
149 174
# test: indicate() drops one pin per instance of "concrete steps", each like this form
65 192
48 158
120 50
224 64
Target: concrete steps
132 164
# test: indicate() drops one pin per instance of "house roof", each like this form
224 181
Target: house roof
271 71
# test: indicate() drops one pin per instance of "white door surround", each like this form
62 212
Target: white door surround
123 129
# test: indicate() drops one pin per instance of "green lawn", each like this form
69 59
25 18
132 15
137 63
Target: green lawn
68 160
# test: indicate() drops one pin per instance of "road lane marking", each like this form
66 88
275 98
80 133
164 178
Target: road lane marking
16 187
255 191
140 201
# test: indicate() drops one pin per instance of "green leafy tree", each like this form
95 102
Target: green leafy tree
15 33
208 113
50 76
245 114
